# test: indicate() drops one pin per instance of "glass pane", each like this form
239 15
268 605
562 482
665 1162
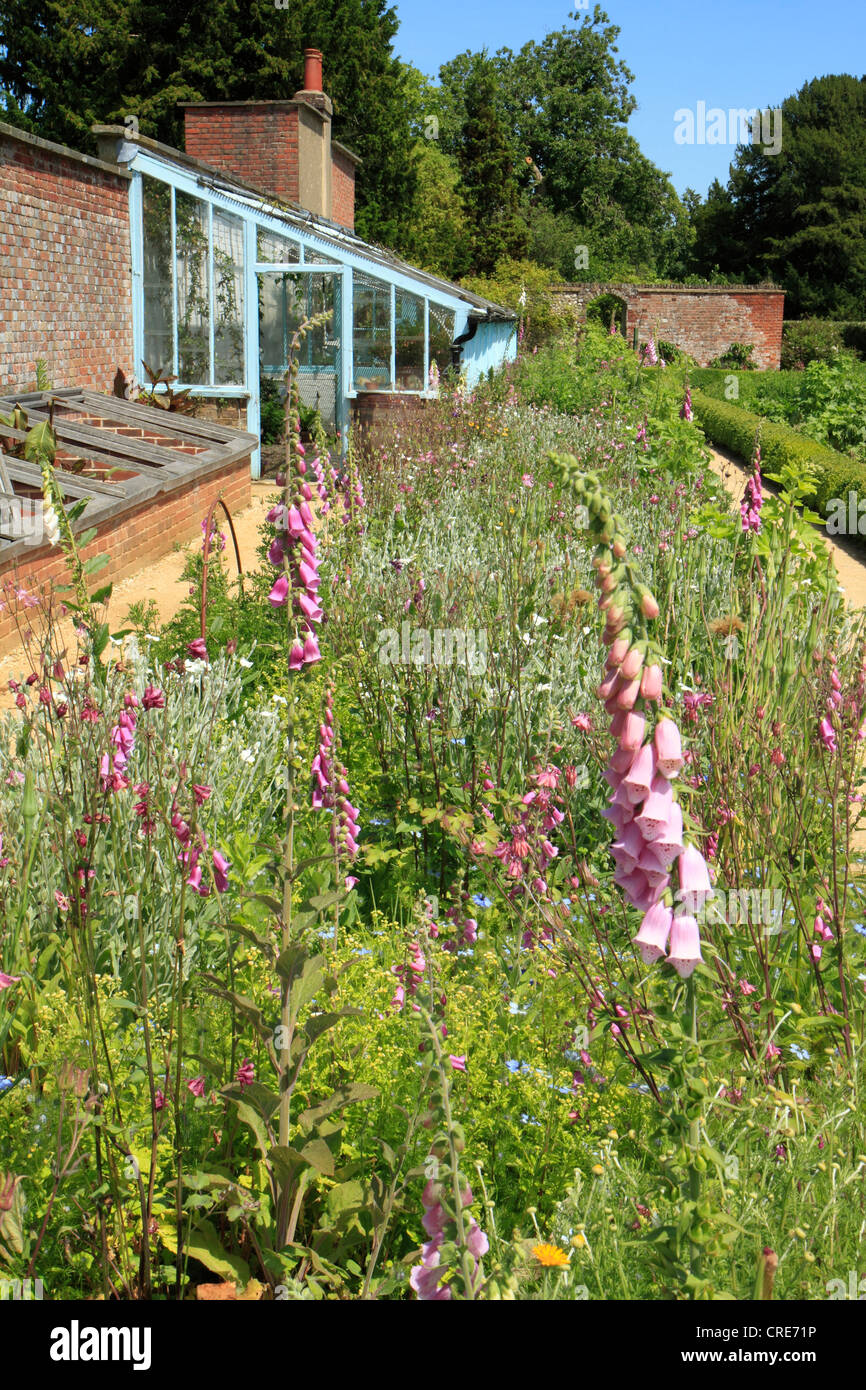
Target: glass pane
282 307
409 335
441 336
278 250
285 301
228 272
193 290
312 257
158 334
371 333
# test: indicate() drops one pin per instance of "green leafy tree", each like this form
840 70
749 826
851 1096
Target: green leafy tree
799 215
489 188
564 103
437 238
65 64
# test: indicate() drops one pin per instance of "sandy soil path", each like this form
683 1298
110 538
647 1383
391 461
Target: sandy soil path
848 557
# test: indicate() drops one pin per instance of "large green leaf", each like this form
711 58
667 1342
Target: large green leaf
203 1244
40 443
344 1095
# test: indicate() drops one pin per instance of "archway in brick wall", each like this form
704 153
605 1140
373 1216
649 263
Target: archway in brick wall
610 310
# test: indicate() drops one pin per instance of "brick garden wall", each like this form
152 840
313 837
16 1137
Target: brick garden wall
65 279
702 322
136 538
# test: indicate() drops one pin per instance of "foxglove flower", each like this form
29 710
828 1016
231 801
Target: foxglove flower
653 933
685 945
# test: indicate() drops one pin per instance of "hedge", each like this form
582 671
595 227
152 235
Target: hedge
734 428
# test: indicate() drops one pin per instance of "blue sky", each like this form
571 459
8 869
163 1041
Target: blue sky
726 53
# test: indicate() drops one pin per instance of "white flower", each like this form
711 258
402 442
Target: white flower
242 661
51 524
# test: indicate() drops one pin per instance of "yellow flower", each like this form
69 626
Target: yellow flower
550 1256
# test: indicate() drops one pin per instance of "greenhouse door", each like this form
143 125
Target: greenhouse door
286 299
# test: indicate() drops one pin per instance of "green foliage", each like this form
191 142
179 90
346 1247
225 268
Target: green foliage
273 411
67 65
820 340
436 238
543 320
737 357
488 185
563 103
798 214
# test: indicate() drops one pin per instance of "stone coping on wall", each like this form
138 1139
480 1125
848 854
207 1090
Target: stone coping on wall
616 286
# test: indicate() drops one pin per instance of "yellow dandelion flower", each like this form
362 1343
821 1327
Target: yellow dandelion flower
550 1256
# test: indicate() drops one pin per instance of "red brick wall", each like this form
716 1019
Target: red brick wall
706 324
703 322
65 276
256 143
342 189
137 538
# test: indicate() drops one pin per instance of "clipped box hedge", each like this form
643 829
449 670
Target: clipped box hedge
734 428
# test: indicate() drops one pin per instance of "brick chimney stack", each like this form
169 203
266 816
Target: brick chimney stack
281 147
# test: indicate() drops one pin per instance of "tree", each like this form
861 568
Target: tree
798 215
437 237
564 103
65 64
489 188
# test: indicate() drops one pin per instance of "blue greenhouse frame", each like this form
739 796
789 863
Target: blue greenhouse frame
484 334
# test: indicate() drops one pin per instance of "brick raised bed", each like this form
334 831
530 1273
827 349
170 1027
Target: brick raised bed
163 494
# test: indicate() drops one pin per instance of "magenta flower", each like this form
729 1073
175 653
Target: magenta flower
668 747
7 980
246 1073
279 592
197 649
196 1086
637 781
159 1100
458 1063
220 872
695 885
651 682
827 735
153 698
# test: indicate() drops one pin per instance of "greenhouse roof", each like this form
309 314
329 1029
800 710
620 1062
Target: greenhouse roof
294 216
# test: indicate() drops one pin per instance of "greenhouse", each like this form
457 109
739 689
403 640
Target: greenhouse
222 277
